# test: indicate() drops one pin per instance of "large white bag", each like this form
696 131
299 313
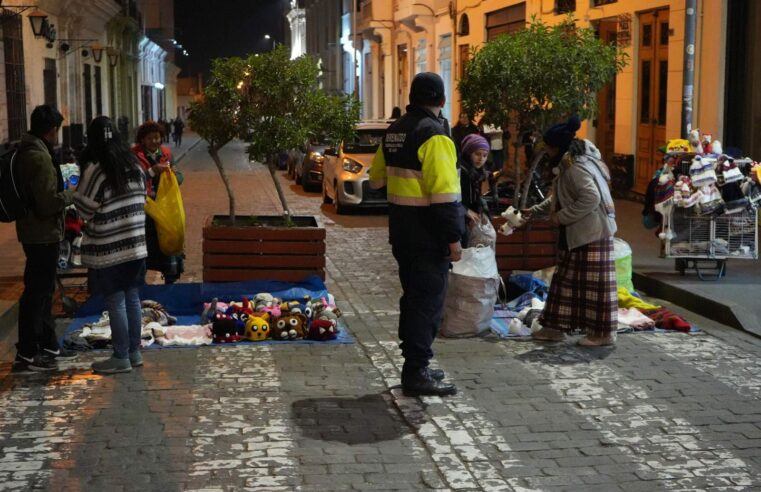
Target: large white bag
482 233
479 262
471 294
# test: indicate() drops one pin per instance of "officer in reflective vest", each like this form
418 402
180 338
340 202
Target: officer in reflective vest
417 163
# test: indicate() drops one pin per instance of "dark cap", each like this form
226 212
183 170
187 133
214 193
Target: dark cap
427 89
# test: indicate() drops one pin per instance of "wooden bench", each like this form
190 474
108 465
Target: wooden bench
532 247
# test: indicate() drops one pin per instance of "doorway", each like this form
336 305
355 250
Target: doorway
651 94
606 100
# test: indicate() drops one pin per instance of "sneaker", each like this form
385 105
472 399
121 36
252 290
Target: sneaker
36 363
60 354
136 358
112 365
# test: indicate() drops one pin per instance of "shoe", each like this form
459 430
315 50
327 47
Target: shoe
437 374
419 382
604 341
136 358
60 354
36 363
112 366
548 335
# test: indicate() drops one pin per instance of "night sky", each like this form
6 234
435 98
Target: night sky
219 28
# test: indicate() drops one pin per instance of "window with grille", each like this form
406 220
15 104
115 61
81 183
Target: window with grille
15 90
49 79
564 6
505 21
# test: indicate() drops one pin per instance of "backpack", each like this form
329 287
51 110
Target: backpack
12 203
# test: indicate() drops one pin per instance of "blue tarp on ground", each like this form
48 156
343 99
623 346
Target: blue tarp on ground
185 301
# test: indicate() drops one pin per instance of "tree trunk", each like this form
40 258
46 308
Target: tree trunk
214 153
517 175
273 167
529 177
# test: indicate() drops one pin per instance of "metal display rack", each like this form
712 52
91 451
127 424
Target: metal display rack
706 242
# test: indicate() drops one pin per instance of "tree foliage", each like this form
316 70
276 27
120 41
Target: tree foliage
539 75
274 104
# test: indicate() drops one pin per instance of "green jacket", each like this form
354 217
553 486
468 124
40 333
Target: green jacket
43 192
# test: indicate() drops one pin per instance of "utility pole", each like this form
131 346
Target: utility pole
688 87
354 45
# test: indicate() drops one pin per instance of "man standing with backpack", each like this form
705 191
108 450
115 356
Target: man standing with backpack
40 231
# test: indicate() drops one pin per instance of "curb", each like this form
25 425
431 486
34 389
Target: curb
704 306
182 156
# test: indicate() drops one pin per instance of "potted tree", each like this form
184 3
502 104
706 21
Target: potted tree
531 79
273 103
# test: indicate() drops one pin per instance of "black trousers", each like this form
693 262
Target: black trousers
423 276
36 328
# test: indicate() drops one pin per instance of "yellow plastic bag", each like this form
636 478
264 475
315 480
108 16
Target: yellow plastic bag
168 213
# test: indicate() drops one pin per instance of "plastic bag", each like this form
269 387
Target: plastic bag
469 305
479 262
168 212
482 233
622 255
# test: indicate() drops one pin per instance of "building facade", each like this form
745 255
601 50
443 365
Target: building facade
638 112
90 58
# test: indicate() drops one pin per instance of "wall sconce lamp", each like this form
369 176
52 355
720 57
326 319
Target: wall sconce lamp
97 51
113 56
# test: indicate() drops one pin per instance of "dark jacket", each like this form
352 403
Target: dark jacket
471 181
42 185
417 161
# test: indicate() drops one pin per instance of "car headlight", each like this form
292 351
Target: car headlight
352 166
316 157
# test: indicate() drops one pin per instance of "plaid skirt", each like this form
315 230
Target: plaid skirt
583 293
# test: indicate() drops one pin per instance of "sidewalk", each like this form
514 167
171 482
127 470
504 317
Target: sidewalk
660 411
731 300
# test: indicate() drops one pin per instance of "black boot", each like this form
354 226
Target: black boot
437 374
418 381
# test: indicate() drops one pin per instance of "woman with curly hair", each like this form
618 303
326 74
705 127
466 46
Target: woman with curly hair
155 159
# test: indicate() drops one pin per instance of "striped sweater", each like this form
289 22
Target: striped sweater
114 232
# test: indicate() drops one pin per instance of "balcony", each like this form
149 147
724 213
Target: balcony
417 16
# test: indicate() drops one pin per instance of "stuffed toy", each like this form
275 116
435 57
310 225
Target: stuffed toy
694 139
323 329
257 328
716 148
290 327
677 145
224 329
266 303
236 313
513 217
706 143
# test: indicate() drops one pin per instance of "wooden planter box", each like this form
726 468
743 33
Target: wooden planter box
263 252
532 247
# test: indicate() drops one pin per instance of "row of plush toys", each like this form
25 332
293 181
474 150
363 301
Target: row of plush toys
714 184
267 317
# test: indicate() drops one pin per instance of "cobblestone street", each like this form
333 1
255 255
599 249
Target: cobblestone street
658 412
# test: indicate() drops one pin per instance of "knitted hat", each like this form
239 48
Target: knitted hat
562 134
474 142
427 89
664 190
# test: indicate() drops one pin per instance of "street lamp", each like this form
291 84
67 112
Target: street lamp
113 56
39 21
268 37
97 52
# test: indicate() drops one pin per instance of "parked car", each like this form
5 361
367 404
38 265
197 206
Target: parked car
346 171
308 171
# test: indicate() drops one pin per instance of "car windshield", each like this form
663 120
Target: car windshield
365 141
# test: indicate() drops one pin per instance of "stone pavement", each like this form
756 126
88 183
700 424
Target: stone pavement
658 412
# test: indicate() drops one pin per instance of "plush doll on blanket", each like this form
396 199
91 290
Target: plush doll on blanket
257 328
290 327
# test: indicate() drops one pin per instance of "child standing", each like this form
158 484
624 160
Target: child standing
475 152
